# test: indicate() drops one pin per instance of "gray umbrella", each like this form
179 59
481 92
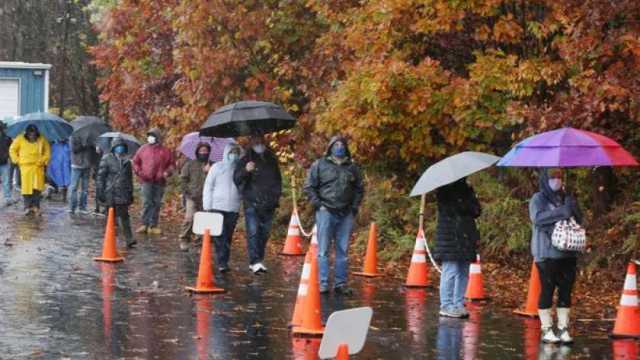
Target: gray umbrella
451 169
88 128
104 142
247 118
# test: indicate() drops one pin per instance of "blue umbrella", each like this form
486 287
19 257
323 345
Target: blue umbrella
52 127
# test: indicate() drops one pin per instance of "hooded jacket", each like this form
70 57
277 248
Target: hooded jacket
192 176
114 183
547 207
83 156
59 168
32 158
335 185
261 188
153 160
5 144
220 192
456 233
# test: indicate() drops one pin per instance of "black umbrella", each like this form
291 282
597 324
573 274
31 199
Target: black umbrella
88 128
247 118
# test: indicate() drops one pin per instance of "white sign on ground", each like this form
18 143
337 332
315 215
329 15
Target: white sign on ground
206 220
347 327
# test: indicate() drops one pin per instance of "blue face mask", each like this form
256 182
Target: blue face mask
233 157
120 149
339 152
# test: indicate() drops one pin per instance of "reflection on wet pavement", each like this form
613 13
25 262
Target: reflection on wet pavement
58 303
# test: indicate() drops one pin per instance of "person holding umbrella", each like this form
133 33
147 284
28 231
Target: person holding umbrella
557 268
153 164
114 186
5 165
31 152
192 178
82 156
334 187
257 176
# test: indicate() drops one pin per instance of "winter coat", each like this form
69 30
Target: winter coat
59 169
192 178
83 156
5 144
334 185
220 192
456 233
114 184
261 188
547 207
152 161
32 158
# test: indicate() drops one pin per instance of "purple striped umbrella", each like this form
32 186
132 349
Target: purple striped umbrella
191 141
567 147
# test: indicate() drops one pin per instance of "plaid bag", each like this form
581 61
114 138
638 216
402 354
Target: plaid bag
568 235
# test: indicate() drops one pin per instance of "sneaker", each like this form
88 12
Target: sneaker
142 230
132 244
28 212
155 230
343 290
262 267
324 290
223 269
184 246
451 313
565 338
549 337
84 212
255 269
463 311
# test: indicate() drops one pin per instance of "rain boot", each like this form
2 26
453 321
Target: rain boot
563 325
546 322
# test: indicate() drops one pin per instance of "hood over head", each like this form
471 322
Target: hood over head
118 141
335 139
157 133
227 149
545 189
31 128
200 146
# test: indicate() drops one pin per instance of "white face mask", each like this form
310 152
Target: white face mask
555 184
151 139
259 148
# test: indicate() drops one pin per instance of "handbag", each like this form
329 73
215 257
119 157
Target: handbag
568 235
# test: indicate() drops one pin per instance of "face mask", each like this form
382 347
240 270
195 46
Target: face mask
233 157
555 184
120 149
339 152
151 139
259 148
203 157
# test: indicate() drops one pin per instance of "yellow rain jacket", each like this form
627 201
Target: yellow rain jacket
32 158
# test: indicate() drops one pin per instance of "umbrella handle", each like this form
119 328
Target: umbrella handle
293 193
422 206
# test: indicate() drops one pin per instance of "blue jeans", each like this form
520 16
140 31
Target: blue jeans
453 284
5 174
257 226
336 228
152 195
79 179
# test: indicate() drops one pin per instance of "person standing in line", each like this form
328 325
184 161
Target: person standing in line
153 164
557 268
257 176
5 166
115 186
221 195
82 160
334 187
456 247
31 152
192 177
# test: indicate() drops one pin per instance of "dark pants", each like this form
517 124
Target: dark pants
222 243
32 201
124 222
560 274
151 203
257 226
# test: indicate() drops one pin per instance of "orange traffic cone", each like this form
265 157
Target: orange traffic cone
205 284
628 319
475 288
418 275
343 352
109 251
312 313
625 349
303 289
293 243
306 349
370 268
531 308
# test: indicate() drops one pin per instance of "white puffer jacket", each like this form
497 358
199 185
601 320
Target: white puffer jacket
220 192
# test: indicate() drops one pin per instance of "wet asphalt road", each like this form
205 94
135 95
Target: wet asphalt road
56 303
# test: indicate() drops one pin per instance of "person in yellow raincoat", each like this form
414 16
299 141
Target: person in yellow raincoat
31 152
